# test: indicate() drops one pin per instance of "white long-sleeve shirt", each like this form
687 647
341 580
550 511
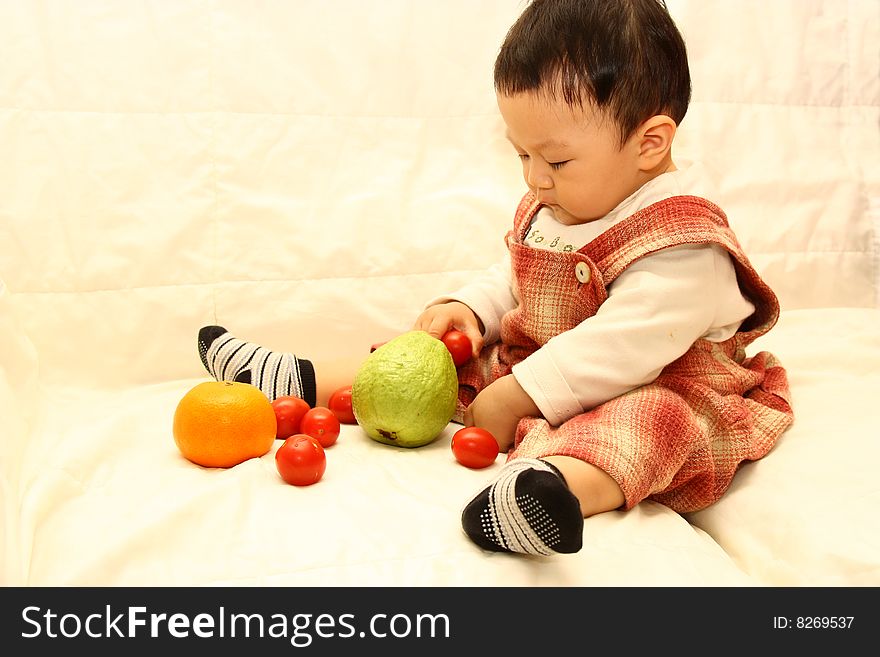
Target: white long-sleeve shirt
655 310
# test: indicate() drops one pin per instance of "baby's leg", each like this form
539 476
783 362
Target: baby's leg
276 373
335 373
594 488
528 508
537 506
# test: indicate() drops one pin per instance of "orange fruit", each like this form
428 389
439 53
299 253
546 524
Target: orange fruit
219 424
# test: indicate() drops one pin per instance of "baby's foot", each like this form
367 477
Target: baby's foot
528 508
227 358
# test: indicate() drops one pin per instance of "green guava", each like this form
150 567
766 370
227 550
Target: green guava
405 392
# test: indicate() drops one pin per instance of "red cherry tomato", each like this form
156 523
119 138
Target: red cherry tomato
321 424
340 404
474 447
289 412
459 346
301 460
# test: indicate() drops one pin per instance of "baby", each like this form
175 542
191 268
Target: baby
609 344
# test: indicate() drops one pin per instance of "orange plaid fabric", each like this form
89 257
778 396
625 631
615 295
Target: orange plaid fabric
680 439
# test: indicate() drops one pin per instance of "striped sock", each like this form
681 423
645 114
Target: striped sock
275 373
528 508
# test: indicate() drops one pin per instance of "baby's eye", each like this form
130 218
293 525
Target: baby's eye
522 156
558 165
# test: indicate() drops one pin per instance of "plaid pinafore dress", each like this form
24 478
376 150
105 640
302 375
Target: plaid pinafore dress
680 439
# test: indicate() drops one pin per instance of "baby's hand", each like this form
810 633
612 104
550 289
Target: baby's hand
443 317
498 408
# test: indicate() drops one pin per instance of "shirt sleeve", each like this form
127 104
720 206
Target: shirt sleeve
655 310
490 296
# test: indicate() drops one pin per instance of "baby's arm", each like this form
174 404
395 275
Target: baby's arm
655 311
498 409
500 405
488 296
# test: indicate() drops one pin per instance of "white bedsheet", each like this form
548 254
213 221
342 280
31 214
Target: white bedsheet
308 174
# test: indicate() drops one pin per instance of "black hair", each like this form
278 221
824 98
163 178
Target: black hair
627 57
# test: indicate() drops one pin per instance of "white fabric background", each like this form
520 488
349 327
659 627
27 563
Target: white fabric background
308 174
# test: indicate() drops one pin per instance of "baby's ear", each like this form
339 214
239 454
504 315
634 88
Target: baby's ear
655 140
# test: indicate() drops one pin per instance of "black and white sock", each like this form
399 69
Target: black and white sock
275 373
528 508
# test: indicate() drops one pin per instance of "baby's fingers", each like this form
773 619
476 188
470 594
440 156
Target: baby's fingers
476 339
438 326
428 321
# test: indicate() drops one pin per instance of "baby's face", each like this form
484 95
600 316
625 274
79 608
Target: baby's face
571 157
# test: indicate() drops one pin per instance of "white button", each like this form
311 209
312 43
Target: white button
582 271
